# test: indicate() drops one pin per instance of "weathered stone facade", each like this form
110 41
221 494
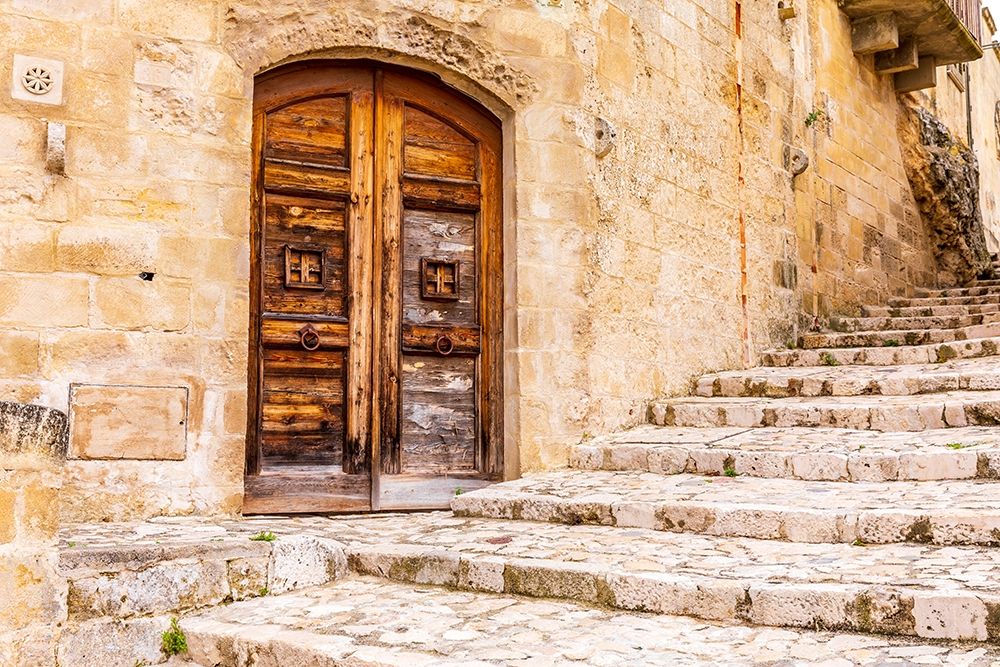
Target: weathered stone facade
633 263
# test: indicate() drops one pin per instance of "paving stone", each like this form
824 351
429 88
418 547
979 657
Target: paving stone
977 374
942 512
884 356
371 622
798 453
877 413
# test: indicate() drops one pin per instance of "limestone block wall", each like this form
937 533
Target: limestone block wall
632 265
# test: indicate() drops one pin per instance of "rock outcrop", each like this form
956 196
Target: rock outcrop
944 176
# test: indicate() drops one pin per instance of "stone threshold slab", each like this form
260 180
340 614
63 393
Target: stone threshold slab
816 454
944 300
877 413
767 382
368 621
944 512
884 356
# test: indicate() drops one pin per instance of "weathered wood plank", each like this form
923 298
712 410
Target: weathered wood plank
440 194
303 489
440 235
424 338
285 333
434 148
491 315
389 146
359 271
311 181
311 131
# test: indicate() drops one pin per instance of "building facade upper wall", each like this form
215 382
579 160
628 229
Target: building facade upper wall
653 230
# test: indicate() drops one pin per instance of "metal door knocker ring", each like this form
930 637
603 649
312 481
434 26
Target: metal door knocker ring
309 337
444 345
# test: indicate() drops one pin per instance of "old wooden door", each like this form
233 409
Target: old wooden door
375 370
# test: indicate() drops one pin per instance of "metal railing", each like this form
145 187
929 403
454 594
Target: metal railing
969 12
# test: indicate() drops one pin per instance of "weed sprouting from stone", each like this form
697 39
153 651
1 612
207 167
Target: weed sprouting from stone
264 590
458 491
814 117
264 536
173 641
827 359
730 471
956 445
857 543
892 342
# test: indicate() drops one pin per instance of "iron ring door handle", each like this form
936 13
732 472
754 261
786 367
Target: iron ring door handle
309 337
444 345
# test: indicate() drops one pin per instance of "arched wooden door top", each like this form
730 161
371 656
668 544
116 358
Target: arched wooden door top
389 297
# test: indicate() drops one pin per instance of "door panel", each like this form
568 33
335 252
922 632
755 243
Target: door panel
361 355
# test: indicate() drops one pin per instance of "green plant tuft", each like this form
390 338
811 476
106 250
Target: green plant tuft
264 590
174 642
892 342
827 359
814 117
857 543
955 445
264 536
730 471
458 491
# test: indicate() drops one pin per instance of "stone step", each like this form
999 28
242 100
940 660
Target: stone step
944 301
932 592
863 324
876 413
814 341
812 454
371 621
883 356
987 290
954 512
981 374
157 571
986 282
930 311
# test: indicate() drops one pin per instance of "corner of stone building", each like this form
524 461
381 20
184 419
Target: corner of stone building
33 442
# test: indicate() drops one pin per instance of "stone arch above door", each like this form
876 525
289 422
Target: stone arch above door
262 36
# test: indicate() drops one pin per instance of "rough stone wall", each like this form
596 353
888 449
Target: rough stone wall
625 273
32 451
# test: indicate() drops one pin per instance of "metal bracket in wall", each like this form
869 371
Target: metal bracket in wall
786 9
37 80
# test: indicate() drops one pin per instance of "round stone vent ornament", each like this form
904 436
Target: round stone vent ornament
37 80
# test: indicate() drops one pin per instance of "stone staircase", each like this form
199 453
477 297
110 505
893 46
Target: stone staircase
839 505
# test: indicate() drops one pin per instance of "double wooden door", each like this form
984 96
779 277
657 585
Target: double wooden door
376 292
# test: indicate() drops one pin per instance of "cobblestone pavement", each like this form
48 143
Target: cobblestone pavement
376 622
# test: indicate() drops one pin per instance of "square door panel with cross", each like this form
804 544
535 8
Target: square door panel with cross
376 336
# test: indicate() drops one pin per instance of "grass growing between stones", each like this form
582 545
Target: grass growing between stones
827 359
173 641
956 445
264 536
